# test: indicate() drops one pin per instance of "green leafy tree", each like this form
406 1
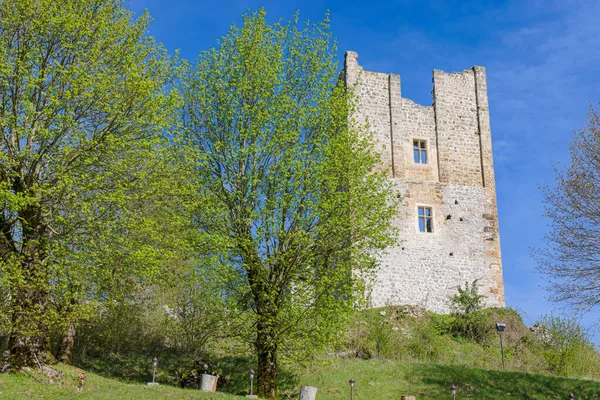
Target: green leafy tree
84 176
293 206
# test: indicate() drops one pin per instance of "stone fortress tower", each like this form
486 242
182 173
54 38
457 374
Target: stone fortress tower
440 159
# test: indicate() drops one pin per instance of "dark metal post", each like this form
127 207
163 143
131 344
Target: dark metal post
500 328
502 351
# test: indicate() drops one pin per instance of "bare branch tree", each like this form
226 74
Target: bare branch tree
571 258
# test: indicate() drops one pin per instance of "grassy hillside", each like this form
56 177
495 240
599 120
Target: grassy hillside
390 352
410 334
375 380
33 385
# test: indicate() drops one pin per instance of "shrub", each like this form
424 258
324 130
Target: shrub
425 342
396 333
191 378
566 347
370 335
469 322
468 300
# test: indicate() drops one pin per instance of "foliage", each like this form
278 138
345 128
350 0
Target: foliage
414 335
468 300
89 197
178 323
194 311
295 214
381 334
571 258
192 378
425 343
392 334
369 336
469 322
566 346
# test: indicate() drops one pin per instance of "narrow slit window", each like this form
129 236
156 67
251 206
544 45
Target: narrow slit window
425 219
420 151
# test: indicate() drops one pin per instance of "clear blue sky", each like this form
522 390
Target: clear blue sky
543 64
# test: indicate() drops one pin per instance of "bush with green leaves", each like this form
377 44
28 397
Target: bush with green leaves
469 322
390 333
411 334
566 346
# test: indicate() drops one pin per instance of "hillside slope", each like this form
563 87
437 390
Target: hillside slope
375 379
33 385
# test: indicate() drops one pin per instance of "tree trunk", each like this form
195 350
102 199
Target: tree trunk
29 351
266 333
29 343
65 353
267 364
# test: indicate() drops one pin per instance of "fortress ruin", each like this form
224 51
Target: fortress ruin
439 157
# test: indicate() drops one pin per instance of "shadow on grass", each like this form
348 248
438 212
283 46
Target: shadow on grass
129 369
233 371
236 379
484 384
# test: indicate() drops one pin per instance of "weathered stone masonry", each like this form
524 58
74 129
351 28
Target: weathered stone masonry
457 183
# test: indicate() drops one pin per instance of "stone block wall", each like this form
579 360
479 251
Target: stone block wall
457 183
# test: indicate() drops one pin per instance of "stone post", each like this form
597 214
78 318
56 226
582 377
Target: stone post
209 383
308 393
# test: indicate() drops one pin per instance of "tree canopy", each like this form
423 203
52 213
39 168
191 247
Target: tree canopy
293 206
85 96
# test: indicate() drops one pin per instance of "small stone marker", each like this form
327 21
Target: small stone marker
209 383
408 398
252 396
308 393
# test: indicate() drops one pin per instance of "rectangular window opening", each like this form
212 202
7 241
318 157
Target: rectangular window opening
420 151
425 219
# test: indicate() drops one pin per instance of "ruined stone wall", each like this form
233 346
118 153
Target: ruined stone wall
459 150
457 183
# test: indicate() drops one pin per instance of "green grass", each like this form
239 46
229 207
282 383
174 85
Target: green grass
32 385
375 380
390 380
